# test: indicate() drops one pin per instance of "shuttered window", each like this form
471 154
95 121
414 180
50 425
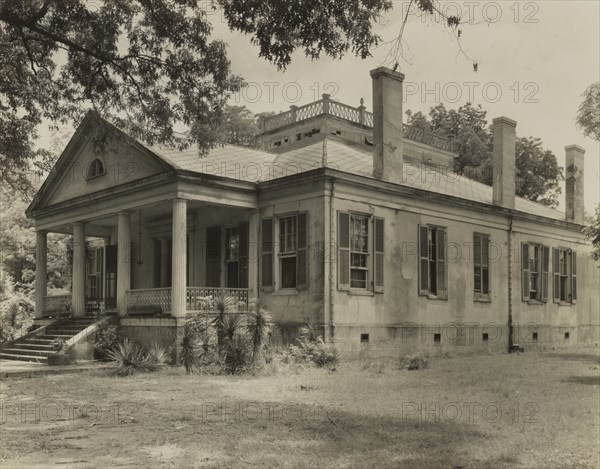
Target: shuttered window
343 251
244 239
432 261
481 265
360 252
266 278
535 262
378 237
565 276
213 256
293 243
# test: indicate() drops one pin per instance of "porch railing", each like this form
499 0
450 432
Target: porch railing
197 298
57 303
150 297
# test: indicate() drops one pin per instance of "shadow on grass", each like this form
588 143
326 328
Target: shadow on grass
593 380
336 438
579 357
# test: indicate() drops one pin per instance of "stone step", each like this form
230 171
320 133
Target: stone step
34 353
37 340
64 331
55 336
34 346
22 358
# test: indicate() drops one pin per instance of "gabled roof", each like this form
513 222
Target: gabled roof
244 164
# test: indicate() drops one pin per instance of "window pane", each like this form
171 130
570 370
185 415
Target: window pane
477 279
485 281
485 254
288 272
358 278
359 260
477 250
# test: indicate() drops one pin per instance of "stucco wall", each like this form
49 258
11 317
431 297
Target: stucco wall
400 320
289 307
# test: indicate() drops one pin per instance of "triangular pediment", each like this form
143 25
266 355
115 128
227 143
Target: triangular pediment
122 159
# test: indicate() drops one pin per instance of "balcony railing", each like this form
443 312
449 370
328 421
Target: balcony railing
197 298
357 115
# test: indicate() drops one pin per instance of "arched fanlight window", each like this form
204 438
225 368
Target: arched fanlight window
95 169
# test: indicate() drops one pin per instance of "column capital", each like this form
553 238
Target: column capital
79 223
123 212
179 199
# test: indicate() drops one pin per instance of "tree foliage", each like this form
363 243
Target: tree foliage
149 66
537 171
592 231
588 114
239 126
332 27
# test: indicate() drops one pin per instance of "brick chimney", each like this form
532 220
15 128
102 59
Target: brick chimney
503 159
574 183
387 124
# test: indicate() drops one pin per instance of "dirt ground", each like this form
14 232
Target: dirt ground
538 409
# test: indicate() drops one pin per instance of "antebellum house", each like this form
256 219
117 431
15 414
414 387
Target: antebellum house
344 218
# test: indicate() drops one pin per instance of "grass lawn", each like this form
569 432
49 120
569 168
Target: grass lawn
539 409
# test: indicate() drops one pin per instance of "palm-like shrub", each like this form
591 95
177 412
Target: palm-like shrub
258 326
237 353
188 348
130 358
158 354
222 304
309 331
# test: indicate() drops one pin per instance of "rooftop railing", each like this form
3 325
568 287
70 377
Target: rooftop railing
357 115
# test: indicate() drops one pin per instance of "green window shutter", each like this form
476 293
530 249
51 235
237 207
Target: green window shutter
525 271
343 251
573 277
301 252
378 238
545 251
442 289
244 230
266 278
556 268
213 256
423 260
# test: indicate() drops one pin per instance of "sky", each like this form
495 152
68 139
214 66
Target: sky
535 59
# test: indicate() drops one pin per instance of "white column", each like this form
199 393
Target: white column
123 261
178 259
40 272
253 254
164 262
78 291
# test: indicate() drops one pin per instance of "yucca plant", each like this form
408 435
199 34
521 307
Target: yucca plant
222 304
130 358
158 355
258 329
309 331
237 353
232 325
188 348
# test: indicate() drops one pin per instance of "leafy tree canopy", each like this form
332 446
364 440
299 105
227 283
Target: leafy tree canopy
537 171
150 65
588 114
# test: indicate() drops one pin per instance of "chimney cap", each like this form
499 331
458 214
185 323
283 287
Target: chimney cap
576 148
377 72
504 120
